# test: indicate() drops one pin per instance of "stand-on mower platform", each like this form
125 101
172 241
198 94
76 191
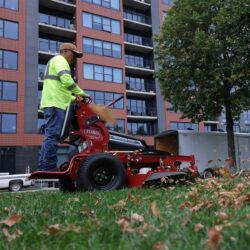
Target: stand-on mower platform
107 160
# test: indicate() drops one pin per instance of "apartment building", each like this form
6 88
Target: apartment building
116 38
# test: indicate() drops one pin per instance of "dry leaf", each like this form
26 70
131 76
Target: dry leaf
223 216
133 198
77 199
214 239
118 206
136 218
125 225
97 202
185 204
85 210
53 230
198 227
155 211
13 236
159 246
12 220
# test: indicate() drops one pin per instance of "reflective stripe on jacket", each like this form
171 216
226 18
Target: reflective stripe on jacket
58 84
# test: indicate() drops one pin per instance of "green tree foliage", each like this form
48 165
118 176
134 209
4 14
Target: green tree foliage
203 51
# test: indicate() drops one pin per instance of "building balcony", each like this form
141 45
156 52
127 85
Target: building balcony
57 31
138 93
138 4
138 43
138 65
68 6
135 114
136 21
55 25
48 48
145 89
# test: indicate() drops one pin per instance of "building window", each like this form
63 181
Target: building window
8 59
7 123
184 126
8 91
9 4
119 127
102 73
103 48
105 98
7 158
101 23
8 29
141 128
111 4
48 45
56 21
210 127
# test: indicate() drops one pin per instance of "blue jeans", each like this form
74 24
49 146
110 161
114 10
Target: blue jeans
54 118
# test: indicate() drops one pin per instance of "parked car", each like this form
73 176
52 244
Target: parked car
14 182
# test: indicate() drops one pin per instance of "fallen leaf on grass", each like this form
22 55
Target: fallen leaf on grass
240 187
155 211
141 229
125 225
118 206
85 210
198 227
12 220
77 199
53 230
222 216
13 236
185 204
75 229
214 239
159 246
98 201
137 218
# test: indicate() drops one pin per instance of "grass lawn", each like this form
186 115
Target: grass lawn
211 214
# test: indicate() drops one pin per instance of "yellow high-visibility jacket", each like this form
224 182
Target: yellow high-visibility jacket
58 84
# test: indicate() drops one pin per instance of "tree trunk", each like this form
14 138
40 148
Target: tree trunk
230 137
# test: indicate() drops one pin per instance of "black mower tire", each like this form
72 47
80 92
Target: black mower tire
101 171
66 185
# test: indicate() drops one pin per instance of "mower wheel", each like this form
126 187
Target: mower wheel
100 171
66 185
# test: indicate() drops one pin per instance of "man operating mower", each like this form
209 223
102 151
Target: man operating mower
58 88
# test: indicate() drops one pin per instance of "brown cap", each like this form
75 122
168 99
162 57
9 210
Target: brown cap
72 47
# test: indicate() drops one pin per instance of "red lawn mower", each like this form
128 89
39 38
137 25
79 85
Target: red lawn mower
106 160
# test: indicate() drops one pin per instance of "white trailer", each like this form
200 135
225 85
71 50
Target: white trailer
14 182
209 148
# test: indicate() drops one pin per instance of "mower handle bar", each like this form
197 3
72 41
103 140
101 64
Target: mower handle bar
87 100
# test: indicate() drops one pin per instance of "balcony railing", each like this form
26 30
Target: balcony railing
56 21
136 111
146 41
136 16
139 62
68 1
148 86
